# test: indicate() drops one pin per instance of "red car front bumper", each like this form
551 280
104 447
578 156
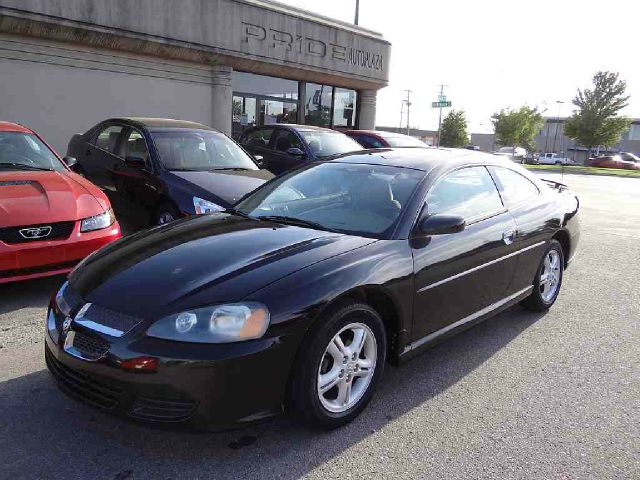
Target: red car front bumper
23 261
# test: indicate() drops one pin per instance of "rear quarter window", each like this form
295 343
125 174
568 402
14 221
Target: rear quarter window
515 188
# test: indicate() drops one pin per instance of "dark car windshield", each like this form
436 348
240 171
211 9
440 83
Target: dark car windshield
326 143
358 199
396 140
25 151
198 150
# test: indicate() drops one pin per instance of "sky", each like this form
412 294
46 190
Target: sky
495 54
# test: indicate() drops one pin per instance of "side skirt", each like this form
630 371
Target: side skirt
415 348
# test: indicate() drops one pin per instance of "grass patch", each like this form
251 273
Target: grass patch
581 170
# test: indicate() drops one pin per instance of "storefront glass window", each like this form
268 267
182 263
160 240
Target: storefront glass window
318 105
263 85
344 108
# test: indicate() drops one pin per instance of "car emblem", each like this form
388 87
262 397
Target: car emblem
66 324
35 232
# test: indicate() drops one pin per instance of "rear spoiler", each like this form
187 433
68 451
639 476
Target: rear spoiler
561 187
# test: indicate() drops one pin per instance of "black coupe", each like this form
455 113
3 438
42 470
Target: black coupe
297 297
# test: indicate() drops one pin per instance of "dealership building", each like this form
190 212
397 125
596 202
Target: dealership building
65 65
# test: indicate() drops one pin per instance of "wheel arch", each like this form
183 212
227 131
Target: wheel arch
564 238
383 302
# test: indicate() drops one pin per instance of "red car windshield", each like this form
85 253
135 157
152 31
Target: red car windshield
25 151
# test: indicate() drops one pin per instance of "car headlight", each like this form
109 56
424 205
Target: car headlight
98 222
205 206
62 304
233 322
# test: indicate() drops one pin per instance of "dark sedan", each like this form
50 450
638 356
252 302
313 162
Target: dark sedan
165 169
382 139
297 297
285 147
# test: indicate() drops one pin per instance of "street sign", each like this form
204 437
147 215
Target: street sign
440 104
442 98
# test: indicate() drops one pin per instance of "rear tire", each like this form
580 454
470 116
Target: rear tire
339 366
548 279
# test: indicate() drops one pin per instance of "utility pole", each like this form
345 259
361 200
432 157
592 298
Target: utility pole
357 12
408 101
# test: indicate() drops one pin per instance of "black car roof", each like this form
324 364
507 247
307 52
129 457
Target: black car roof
425 159
161 122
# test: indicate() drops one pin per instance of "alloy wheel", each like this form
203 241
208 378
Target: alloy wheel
550 276
347 367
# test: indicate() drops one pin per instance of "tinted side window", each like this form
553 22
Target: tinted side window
469 192
514 187
135 146
287 139
369 142
257 138
107 138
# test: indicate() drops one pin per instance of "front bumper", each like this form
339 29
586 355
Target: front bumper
24 261
203 387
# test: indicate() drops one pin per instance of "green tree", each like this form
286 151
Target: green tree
454 130
597 123
517 128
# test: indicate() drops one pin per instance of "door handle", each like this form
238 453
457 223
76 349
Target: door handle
509 236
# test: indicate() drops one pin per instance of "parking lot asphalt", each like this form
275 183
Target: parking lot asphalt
526 396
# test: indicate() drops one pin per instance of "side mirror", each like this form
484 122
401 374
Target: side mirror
440 225
70 161
259 159
135 162
295 151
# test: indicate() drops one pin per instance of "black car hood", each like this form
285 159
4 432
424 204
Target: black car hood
229 185
200 261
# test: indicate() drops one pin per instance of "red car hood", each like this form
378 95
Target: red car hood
32 198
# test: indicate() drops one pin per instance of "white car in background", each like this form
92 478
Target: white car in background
553 159
517 154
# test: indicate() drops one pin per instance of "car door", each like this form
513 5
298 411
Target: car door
458 275
102 155
134 176
534 215
280 160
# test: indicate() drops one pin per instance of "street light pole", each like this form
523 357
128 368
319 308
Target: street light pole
357 12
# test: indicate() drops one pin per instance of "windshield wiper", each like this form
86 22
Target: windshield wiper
24 166
295 221
237 169
233 211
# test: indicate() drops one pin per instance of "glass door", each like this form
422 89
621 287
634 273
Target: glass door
245 113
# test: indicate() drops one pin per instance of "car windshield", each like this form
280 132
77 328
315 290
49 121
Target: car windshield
325 144
199 150
25 151
401 141
357 199
506 150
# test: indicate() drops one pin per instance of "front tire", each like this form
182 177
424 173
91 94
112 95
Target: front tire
548 280
339 366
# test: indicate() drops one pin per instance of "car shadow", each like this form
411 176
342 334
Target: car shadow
28 293
54 436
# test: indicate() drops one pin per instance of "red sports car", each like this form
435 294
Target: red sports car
50 217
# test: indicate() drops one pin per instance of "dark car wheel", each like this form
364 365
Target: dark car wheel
339 366
546 285
166 213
